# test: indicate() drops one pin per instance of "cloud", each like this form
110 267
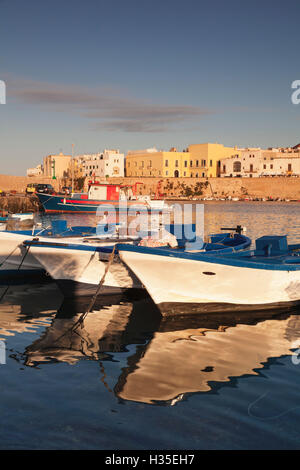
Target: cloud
108 108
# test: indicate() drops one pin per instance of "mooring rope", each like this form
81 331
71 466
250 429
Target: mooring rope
10 254
94 298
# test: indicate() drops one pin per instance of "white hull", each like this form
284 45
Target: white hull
12 244
79 272
171 280
12 251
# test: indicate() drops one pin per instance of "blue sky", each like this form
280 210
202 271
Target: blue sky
135 74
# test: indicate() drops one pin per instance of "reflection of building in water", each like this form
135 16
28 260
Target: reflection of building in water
27 308
179 362
12 321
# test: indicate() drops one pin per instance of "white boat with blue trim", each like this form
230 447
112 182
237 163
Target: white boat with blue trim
180 282
79 266
17 260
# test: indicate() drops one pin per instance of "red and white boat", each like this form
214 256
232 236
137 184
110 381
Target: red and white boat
107 196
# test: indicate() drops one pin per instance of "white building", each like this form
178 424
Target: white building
256 162
37 171
245 163
109 163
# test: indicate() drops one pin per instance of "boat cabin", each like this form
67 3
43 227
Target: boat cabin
111 192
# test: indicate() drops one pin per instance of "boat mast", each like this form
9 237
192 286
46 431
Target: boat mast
72 168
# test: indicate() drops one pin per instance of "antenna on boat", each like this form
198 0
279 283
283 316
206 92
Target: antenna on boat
238 229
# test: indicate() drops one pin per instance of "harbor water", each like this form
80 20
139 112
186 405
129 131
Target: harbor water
127 379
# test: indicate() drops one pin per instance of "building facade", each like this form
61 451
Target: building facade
197 161
37 171
256 162
57 166
152 162
205 159
109 163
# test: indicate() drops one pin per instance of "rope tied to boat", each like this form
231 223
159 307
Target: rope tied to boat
20 265
10 254
94 298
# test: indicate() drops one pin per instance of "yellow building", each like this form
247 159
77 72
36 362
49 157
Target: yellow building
205 159
198 161
151 162
56 166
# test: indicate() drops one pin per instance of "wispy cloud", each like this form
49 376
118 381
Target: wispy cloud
108 108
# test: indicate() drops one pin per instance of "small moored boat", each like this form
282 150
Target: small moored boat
79 266
17 261
107 197
180 282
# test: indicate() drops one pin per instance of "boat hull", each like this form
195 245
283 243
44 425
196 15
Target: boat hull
13 256
185 285
79 270
69 205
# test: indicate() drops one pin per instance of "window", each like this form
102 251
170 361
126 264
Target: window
237 167
197 162
184 173
210 162
265 166
251 167
167 173
166 162
142 164
176 163
203 162
203 175
271 166
191 162
185 163
224 168
150 163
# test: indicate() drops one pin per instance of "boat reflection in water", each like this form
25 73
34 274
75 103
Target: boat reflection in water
172 356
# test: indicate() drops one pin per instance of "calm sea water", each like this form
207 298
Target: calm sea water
127 379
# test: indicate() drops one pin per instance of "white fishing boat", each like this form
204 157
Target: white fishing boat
17 259
79 266
179 282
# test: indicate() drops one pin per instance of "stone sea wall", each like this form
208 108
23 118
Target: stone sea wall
278 187
19 183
